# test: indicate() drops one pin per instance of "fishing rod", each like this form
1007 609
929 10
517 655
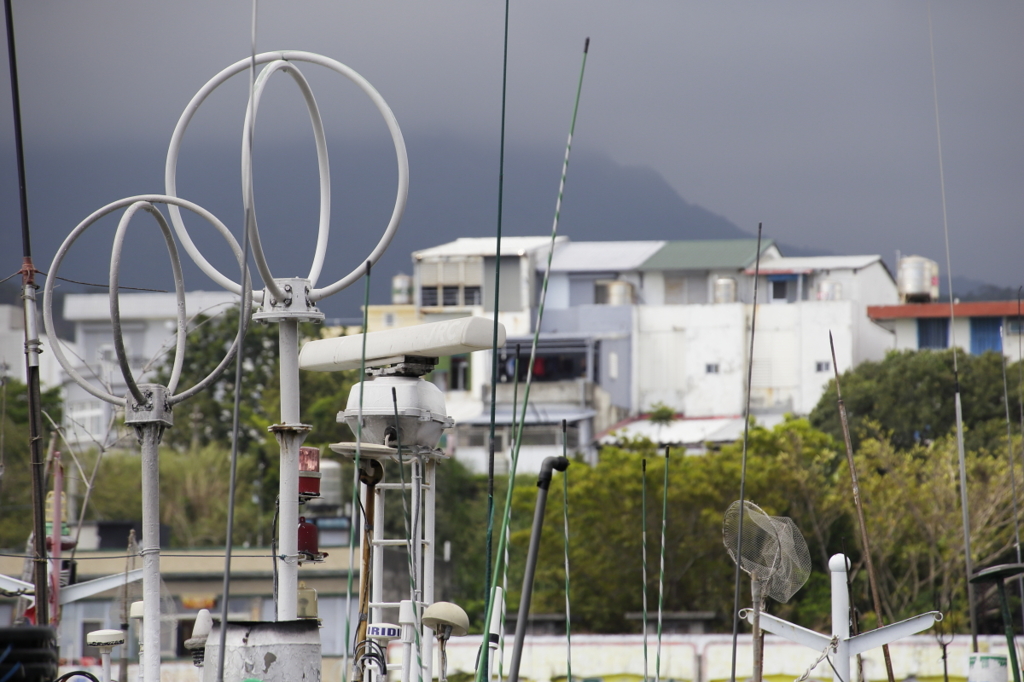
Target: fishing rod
743 460
32 349
506 516
494 335
661 572
643 543
964 507
876 597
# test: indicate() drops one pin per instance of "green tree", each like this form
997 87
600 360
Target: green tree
910 395
791 471
15 469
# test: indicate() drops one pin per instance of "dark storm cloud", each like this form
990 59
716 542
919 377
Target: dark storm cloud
815 118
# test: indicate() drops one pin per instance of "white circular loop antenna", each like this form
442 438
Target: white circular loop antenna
279 62
134 204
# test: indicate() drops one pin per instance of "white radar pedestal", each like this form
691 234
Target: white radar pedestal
841 647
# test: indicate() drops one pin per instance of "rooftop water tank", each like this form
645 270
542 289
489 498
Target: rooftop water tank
725 290
401 289
918 280
830 291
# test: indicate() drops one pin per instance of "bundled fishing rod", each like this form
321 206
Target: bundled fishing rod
743 460
964 507
483 667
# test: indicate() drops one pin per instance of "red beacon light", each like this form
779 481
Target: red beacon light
309 472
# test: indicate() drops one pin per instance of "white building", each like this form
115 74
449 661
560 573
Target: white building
978 326
633 324
148 323
12 349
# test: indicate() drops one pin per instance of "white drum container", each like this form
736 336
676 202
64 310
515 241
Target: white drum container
987 668
286 651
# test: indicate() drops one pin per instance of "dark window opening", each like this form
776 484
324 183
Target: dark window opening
933 332
428 297
450 296
553 367
473 296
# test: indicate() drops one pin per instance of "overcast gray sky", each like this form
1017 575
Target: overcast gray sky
816 118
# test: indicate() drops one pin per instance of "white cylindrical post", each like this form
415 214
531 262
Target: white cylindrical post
288 531
427 553
151 551
494 632
377 583
105 660
839 565
407 619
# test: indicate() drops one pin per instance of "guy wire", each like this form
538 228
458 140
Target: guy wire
356 503
243 327
743 461
483 666
965 510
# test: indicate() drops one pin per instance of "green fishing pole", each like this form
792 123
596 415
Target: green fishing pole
482 667
661 572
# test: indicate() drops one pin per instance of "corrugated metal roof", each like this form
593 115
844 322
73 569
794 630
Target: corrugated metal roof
815 263
705 254
602 256
485 246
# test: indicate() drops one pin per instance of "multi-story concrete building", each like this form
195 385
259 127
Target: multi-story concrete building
631 325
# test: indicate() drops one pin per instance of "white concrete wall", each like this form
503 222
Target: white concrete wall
674 346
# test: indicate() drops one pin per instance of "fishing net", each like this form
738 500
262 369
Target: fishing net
773 550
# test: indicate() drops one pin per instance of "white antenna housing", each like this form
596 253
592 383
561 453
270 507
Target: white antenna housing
434 339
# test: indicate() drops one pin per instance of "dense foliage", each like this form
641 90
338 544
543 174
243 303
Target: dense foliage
15 472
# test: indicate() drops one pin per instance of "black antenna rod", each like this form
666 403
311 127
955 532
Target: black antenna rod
28 286
743 464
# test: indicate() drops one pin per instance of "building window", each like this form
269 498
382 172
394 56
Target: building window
1015 325
933 332
822 366
711 368
428 297
780 290
459 380
389 319
450 296
986 335
472 296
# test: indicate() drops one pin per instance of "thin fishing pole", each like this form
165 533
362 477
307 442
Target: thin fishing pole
32 350
236 408
494 339
965 509
661 572
743 461
1020 400
862 525
1010 457
533 354
356 502
565 521
643 544
504 570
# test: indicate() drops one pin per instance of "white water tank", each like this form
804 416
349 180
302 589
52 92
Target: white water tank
401 289
918 279
725 290
830 291
613 292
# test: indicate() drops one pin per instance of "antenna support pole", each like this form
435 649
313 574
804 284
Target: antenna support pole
290 433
